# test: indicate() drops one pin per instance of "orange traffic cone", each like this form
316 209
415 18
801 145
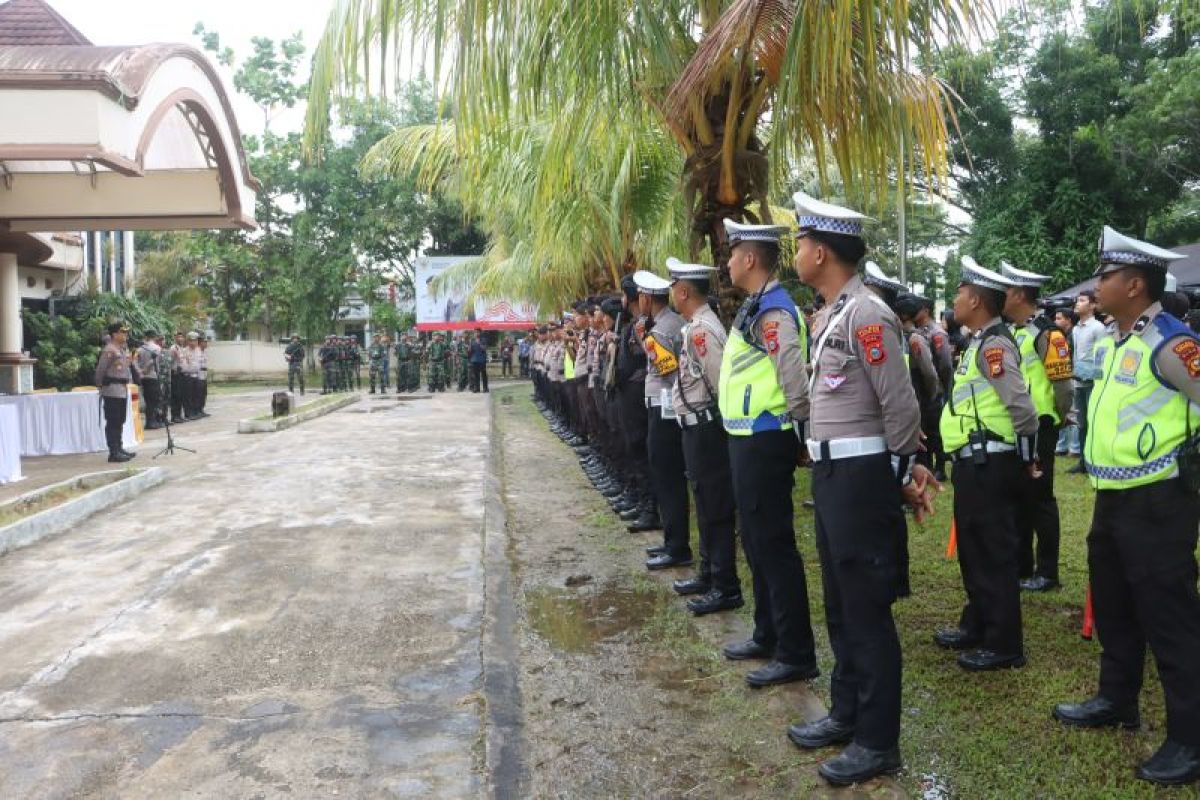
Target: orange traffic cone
952 545
1089 617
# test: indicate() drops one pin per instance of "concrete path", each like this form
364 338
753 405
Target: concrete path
294 614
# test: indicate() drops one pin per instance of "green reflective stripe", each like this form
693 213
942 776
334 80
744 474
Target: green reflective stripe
1131 415
966 389
747 360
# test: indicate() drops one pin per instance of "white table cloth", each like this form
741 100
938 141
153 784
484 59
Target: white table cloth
64 423
10 445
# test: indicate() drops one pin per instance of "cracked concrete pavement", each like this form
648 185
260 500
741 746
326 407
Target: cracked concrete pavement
295 614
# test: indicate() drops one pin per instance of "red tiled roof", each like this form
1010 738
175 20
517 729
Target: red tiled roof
34 22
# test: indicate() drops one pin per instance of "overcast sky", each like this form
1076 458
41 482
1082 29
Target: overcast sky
121 22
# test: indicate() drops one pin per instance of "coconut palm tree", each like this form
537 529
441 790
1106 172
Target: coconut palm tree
742 87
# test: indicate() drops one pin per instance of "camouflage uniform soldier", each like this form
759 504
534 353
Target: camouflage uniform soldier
437 363
356 362
403 354
327 355
463 362
344 359
295 361
375 356
385 375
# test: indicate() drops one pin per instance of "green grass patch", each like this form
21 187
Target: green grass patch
16 510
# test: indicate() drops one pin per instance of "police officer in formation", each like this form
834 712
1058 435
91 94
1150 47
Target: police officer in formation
1142 544
858 405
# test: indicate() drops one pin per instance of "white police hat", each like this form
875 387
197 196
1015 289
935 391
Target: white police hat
680 271
738 232
651 284
874 276
1118 251
1020 277
813 214
975 275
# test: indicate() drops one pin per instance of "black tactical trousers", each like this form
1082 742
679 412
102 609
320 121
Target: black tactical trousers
177 395
1038 512
861 544
632 413
985 510
152 399
707 455
115 410
763 467
1142 562
668 474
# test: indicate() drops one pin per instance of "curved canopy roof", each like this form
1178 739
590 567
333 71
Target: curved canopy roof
119 138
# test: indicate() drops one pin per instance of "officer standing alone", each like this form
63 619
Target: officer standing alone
114 373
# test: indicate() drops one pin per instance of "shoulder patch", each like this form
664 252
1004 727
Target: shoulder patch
994 356
914 344
870 338
1188 352
700 343
770 332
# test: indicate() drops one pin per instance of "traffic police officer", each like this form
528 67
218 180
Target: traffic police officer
114 373
864 431
1046 365
705 444
664 441
1142 545
989 427
764 403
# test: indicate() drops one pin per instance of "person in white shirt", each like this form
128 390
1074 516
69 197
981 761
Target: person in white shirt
1088 331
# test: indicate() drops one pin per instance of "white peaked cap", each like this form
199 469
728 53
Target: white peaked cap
682 272
875 276
814 214
976 275
649 283
741 232
1020 277
1118 251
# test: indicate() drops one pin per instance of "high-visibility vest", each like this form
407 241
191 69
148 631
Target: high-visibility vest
973 403
1136 423
1034 369
568 366
750 395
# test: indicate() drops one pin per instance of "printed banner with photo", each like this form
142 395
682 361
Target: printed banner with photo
448 310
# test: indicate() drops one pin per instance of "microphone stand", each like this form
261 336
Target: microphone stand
164 404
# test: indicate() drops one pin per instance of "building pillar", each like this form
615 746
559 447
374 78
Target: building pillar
16 370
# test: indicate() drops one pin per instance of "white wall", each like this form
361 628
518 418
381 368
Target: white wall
246 360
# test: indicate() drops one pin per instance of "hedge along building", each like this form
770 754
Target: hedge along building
104 139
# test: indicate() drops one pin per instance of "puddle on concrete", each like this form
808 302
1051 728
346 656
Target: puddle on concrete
577 620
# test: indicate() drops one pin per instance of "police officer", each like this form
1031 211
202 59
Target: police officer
764 403
943 362
114 372
1046 365
989 427
659 330
150 365
864 432
630 379
705 445
1142 544
294 354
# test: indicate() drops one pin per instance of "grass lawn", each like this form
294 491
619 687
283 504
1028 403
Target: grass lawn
991 735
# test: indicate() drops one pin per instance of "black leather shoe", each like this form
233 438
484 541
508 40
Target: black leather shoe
824 732
983 660
858 764
696 585
655 550
955 639
630 515
645 522
808 504
777 672
117 458
610 490
666 561
127 453
1173 765
1078 469
713 601
1039 583
1098 712
747 650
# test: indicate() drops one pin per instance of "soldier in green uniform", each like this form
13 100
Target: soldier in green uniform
385 367
437 363
294 353
327 355
463 362
356 361
375 356
403 354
